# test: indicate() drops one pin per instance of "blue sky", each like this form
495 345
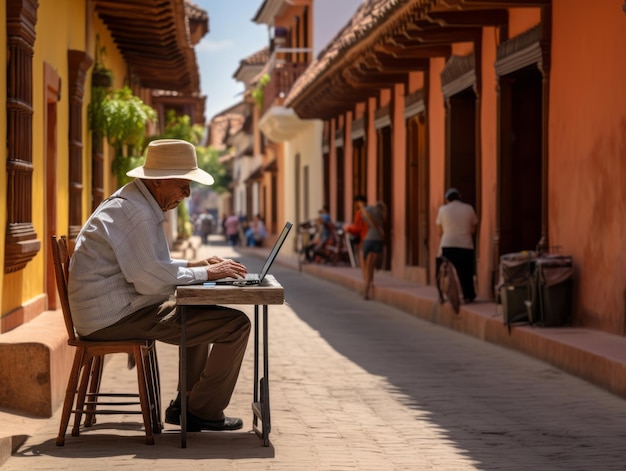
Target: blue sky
232 36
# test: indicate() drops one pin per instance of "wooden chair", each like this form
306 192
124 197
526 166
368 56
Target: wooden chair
86 371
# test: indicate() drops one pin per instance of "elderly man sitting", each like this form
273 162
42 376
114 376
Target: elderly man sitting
122 279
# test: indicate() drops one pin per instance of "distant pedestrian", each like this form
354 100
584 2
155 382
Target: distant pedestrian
368 225
456 224
256 232
231 230
206 226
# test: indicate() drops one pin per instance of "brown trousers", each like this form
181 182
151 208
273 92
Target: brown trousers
211 378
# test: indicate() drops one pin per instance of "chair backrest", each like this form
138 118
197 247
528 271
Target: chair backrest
61 259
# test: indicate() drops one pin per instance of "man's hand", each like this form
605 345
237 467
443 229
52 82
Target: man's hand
226 269
214 259
207 261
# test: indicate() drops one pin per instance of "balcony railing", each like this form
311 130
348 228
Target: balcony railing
283 75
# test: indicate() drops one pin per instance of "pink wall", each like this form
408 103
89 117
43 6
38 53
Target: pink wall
587 170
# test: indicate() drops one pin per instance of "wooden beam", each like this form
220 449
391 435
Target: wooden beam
369 80
492 3
388 63
473 18
443 35
412 50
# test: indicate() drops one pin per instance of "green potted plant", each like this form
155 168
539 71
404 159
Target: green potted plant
259 90
180 127
121 118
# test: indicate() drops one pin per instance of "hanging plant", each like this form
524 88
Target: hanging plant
101 82
259 90
121 118
126 119
95 114
101 77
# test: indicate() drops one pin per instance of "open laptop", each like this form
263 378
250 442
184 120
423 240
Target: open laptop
257 278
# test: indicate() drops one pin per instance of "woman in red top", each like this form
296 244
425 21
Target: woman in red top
360 227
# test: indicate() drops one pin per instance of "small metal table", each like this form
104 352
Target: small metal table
268 292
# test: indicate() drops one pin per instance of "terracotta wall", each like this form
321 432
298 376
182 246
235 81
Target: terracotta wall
371 143
347 160
521 19
587 172
398 219
488 156
436 141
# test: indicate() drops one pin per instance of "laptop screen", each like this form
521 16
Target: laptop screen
277 245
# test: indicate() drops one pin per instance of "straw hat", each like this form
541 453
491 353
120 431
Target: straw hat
171 158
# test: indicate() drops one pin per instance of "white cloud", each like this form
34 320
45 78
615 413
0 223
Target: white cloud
207 45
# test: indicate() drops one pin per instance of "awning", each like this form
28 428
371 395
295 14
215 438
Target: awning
281 124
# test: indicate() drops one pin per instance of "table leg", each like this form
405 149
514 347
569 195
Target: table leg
256 353
255 397
265 385
182 376
261 402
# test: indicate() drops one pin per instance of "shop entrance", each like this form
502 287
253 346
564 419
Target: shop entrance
520 175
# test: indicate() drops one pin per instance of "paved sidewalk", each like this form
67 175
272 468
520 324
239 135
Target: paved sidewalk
346 397
595 356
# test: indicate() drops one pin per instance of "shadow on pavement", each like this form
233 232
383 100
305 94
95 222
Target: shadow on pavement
122 442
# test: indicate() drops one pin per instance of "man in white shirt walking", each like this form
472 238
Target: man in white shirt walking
456 224
122 279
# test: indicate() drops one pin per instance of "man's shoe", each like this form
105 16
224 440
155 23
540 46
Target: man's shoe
196 424
172 413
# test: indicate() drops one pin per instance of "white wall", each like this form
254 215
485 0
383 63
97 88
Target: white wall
308 144
330 16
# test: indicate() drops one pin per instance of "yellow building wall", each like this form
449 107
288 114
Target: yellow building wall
113 60
61 25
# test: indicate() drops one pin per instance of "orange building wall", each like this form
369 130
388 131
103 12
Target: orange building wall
416 81
488 138
398 219
436 140
587 148
462 49
522 19
348 167
371 143
385 97
332 164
